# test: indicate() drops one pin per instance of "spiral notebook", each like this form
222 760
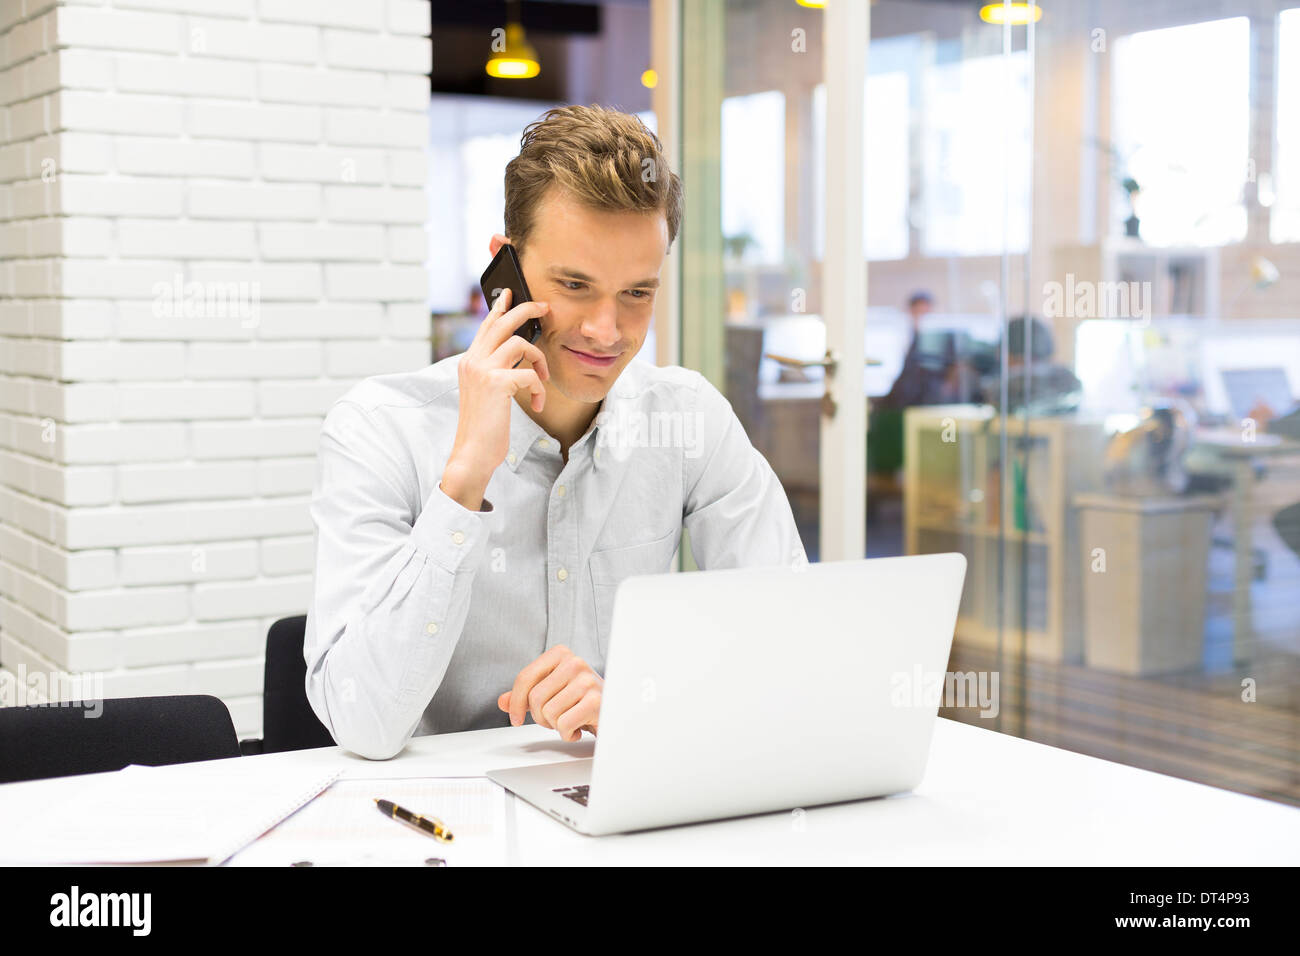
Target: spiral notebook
185 813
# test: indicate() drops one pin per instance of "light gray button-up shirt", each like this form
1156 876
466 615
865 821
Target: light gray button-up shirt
424 612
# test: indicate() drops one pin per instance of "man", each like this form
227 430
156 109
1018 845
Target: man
915 384
1039 386
474 518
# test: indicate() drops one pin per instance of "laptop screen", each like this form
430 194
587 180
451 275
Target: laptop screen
1247 387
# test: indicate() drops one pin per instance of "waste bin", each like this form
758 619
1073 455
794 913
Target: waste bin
1144 574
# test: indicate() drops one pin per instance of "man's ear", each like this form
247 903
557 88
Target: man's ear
497 241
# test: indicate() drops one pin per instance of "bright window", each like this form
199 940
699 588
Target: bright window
753 173
1180 115
483 160
977 156
1285 220
884 148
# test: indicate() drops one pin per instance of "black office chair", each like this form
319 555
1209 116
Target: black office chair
97 736
1287 523
288 722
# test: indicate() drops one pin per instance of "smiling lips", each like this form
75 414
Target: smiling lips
595 361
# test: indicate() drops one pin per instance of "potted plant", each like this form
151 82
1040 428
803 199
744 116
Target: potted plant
1118 162
1131 224
737 245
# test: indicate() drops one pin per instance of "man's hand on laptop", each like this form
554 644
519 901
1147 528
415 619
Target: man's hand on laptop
560 690
488 383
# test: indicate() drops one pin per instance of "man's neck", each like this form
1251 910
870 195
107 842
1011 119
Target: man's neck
562 418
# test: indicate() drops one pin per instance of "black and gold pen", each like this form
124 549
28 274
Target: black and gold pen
428 825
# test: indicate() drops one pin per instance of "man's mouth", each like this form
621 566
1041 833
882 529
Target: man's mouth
595 361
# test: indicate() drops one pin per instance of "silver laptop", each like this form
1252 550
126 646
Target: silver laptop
753 690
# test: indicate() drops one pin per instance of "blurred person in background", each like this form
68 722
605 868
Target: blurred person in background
924 379
916 383
1035 383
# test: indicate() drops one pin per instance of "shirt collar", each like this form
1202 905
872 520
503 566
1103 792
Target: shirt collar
527 437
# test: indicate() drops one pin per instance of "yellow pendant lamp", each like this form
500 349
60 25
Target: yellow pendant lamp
1017 14
518 61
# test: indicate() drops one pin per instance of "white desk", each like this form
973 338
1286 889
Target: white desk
987 799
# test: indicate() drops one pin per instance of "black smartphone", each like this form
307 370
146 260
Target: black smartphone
504 273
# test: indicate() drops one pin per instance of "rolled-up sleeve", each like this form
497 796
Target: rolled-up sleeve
392 585
736 512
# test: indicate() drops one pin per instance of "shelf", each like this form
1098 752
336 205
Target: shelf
1041 584
983 531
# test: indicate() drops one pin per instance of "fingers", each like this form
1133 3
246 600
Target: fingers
526 378
501 323
499 306
573 706
567 672
560 690
501 303
516 347
584 715
529 677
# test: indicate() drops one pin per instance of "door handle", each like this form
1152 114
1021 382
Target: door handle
829 362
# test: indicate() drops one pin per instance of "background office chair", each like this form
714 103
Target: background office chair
1287 523
58 741
288 722
744 351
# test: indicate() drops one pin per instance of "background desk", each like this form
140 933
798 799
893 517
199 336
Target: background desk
1240 457
987 799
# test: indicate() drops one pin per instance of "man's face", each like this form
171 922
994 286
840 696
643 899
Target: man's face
599 272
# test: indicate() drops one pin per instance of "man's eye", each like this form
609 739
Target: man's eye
640 293
572 284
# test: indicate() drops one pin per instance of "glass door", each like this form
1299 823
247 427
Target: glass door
767 315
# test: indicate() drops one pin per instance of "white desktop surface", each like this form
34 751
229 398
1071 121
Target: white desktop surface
987 799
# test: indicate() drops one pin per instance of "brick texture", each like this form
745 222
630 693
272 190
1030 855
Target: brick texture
211 225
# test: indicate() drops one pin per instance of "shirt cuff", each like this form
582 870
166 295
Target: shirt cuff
450 533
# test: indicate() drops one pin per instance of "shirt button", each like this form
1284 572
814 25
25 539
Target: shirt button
458 537
543 443
597 453
561 574
511 458
560 491
431 628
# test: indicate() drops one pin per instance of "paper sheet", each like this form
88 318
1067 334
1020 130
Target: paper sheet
343 827
200 812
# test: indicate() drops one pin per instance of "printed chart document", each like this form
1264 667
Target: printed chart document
343 827
183 813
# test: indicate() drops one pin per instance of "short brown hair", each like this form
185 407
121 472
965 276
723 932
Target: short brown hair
604 158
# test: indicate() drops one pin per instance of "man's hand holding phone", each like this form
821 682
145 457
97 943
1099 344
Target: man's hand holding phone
488 383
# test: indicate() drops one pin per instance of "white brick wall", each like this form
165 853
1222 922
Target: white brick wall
156 463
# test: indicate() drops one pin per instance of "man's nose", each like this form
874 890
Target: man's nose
600 326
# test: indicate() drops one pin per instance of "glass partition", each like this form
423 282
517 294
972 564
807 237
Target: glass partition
1083 333
1125 476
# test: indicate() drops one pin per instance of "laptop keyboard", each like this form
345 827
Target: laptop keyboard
577 794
